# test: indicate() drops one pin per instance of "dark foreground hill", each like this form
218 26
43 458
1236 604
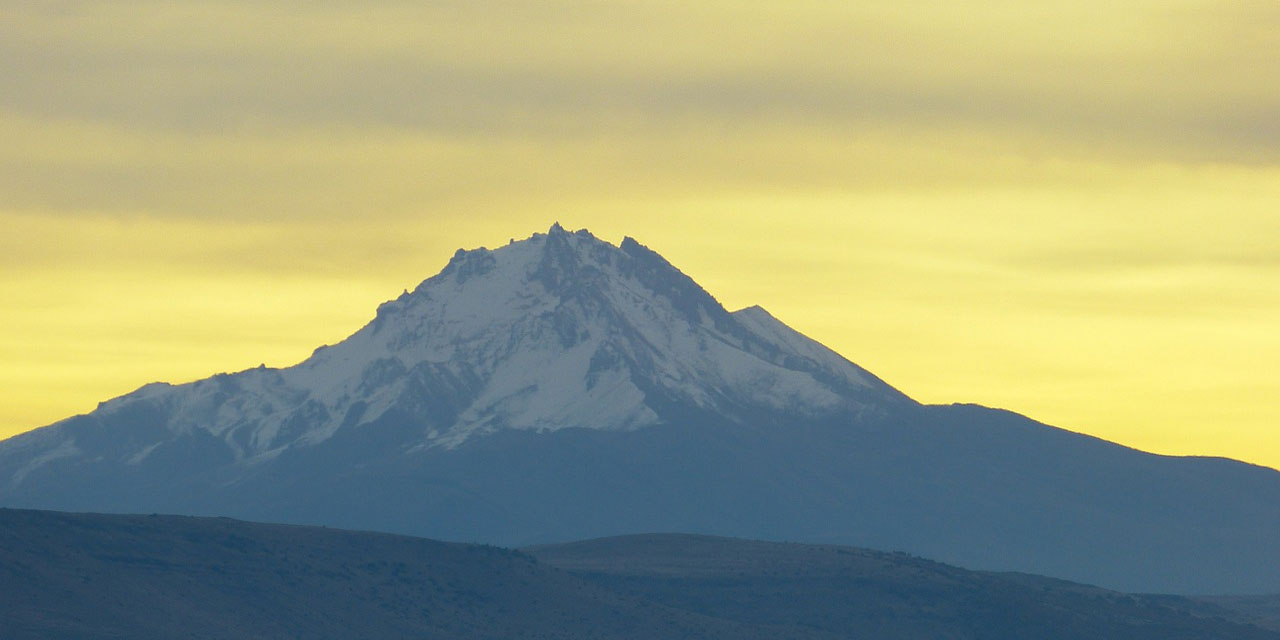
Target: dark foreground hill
88 576
1263 611
857 593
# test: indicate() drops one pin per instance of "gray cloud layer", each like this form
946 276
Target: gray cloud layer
1187 79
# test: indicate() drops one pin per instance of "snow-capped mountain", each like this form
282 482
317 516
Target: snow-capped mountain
560 330
562 387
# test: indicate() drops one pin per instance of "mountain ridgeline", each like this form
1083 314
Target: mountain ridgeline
562 388
90 576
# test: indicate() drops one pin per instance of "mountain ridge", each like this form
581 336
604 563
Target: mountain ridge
87 576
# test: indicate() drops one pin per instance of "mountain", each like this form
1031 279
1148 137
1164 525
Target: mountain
563 388
89 576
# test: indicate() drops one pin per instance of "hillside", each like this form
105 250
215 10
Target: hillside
90 576
854 593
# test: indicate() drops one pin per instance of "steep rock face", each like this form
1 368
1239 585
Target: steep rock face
561 387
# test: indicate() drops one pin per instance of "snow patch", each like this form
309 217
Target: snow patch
137 458
64 449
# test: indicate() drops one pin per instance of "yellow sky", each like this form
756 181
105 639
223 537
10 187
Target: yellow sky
1071 210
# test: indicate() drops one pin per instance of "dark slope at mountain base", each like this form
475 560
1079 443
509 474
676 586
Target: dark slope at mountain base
852 592
89 576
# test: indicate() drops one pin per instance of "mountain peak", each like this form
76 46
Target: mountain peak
555 331
564 387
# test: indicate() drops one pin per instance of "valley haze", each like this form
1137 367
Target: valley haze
562 388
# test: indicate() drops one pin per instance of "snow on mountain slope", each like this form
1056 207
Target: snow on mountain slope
769 329
559 330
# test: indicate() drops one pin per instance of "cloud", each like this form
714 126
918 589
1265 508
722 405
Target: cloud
1172 79
246 110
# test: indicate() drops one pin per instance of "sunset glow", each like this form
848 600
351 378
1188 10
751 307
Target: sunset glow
1070 210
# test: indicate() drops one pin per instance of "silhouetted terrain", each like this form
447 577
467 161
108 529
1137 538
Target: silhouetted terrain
91 576
853 593
1263 611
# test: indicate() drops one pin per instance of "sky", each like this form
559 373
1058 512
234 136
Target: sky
1066 209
